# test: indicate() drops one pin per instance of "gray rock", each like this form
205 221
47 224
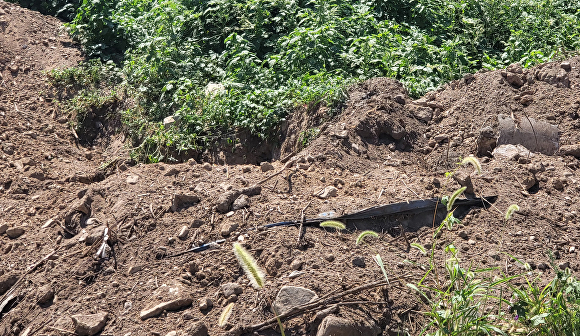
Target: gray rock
231 288
132 179
3 228
359 261
529 181
171 333
182 200
134 269
95 234
15 232
328 192
7 280
88 325
168 121
542 266
510 152
566 66
573 150
514 79
296 264
564 265
440 137
266 166
339 326
252 190
183 233
226 199
241 202
228 228
207 166
8 148
205 303
45 294
464 180
197 329
515 68
462 234
156 310
421 113
289 297
171 172
400 99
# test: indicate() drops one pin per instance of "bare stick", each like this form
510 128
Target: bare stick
301 228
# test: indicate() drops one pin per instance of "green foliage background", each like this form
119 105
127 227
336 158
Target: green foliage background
274 54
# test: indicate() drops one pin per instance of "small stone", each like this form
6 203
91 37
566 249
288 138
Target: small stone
241 202
3 228
511 152
132 179
7 281
290 296
226 199
529 181
471 242
340 326
440 137
252 190
295 274
183 233
558 184
134 269
231 288
359 262
8 148
515 68
564 265
45 294
183 200
228 228
266 166
233 298
566 66
197 329
171 172
88 325
329 257
15 232
464 180
296 264
462 234
514 79
205 303
207 166
171 333
543 266
168 121
400 99
328 192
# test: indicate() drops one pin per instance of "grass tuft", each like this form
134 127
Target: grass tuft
472 160
361 237
225 315
249 265
510 211
333 224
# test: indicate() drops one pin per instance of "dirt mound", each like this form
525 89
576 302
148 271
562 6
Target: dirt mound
56 195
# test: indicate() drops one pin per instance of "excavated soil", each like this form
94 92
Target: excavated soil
56 195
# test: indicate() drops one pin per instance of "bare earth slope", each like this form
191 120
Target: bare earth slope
56 196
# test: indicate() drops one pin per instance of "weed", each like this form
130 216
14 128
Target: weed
333 224
272 56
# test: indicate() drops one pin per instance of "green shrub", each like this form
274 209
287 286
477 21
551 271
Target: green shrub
272 55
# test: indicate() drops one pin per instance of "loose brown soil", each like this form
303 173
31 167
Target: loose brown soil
383 148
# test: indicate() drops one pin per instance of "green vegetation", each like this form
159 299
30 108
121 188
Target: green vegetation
272 55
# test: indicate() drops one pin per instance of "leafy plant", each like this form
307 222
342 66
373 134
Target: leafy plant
274 55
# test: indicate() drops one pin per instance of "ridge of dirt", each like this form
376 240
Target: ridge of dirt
383 148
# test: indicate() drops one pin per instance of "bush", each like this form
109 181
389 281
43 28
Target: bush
274 54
